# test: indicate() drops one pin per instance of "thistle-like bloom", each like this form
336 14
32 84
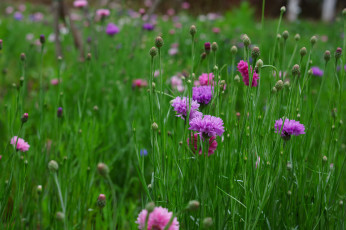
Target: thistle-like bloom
21 144
243 69
112 29
80 3
158 219
204 79
207 126
102 13
139 83
202 94
148 26
316 71
195 145
290 127
181 106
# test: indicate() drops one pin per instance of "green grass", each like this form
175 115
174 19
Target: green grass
291 188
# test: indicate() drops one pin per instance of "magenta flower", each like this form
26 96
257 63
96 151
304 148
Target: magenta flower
216 30
181 106
80 3
54 81
139 83
112 29
243 69
202 94
207 126
21 144
316 71
102 13
205 80
195 145
290 127
158 219
185 5
148 26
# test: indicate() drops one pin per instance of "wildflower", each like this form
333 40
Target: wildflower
317 71
59 113
158 219
139 83
290 127
185 5
193 30
173 50
195 144
54 81
148 26
216 30
177 83
243 69
206 79
101 201
181 106
112 29
207 222
326 56
143 152
25 117
102 13
20 144
80 3
53 166
207 47
338 53
202 94
18 16
207 126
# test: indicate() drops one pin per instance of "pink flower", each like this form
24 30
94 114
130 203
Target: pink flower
158 219
173 51
216 30
170 12
258 161
139 83
243 69
205 80
177 83
178 25
0 157
185 5
80 3
102 13
21 144
197 147
171 31
54 81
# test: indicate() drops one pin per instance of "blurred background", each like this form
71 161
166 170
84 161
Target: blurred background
311 9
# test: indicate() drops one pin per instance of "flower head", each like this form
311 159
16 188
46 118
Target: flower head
102 13
206 79
288 128
317 71
202 94
207 126
21 144
177 83
243 69
54 81
139 83
143 152
195 144
148 26
80 3
181 106
158 219
112 29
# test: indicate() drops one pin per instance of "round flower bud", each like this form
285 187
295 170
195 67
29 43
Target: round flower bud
279 85
60 216
89 56
153 52
287 84
214 46
325 158
53 166
338 53
283 9
259 63
295 70
25 117
285 35
278 37
289 193
274 90
203 55
101 201
207 47
42 39
326 56
303 51
297 37
22 57
103 169
158 42
341 203
193 30
289 166
150 207
313 40
193 205
255 52
39 189
246 40
237 78
234 50
310 72
59 112
207 222
154 126
344 12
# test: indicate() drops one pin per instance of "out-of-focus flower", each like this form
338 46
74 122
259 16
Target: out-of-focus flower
216 30
112 29
18 16
20 144
148 26
143 152
205 79
139 83
185 5
80 3
316 71
202 94
177 83
196 146
243 69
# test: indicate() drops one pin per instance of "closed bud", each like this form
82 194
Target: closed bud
303 52
255 53
313 40
274 90
0 44
25 117
153 52
101 201
344 12
279 85
158 42
150 207
60 216
237 78
207 47
53 166
310 72
193 30
59 112
89 56
22 57
42 39
283 9
154 126
278 37
289 166
103 169
259 63
295 70
207 222
246 40
338 53
326 56
297 37
234 50
287 84
325 158
203 56
39 189
285 35
289 193
193 205
214 46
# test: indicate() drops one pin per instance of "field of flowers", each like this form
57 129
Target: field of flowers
170 121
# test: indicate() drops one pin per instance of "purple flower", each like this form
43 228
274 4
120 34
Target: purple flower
290 127
317 71
18 16
207 126
181 106
112 29
202 94
143 152
148 26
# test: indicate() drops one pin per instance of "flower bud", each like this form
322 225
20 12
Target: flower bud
103 169
313 40
234 50
338 53
246 40
207 222
289 166
214 46
283 9
153 51
0 44
203 56
279 85
42 39
274 90
344 12
22 57
193 30
59 112
53 166
154 126
289 193
287 84
158 42
150 207
303 52
39 189
297 37
193 205
25 117
278 37
259 63
325 158
237 78
285 35
89 56
207 47
60 216
295 70
255 53
101 201
326 56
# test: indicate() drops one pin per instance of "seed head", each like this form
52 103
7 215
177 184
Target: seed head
234 50
193 30
53 166
214 46
158 42
326 56
103 169
303 52
153 51
255 52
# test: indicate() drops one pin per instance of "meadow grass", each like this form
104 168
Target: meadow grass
254 180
